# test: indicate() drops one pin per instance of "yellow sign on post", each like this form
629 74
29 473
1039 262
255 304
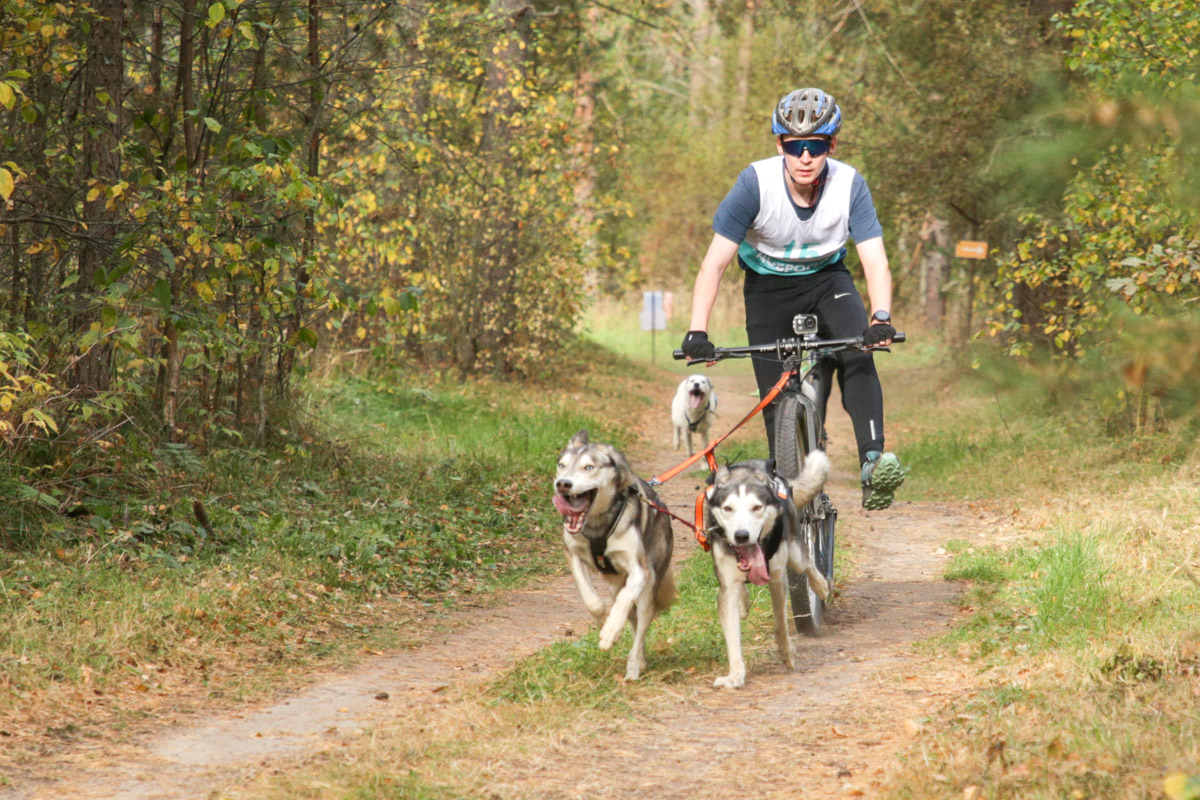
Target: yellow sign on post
969 249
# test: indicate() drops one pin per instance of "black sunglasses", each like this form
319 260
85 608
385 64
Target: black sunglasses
815 147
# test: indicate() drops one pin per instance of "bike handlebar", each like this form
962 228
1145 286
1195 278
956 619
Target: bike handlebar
785 347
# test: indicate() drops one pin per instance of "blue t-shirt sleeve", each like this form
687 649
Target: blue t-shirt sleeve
737 211
864 222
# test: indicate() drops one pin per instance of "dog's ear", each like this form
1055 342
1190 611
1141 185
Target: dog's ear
721 475
712 400
579 439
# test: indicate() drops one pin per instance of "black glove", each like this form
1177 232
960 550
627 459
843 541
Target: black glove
696 346
874 334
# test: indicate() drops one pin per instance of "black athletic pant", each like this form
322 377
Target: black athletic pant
772 301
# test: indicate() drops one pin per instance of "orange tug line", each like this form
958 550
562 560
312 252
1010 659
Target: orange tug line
707 453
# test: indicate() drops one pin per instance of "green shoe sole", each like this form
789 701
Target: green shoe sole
885 479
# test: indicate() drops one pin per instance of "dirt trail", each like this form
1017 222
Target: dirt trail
830 728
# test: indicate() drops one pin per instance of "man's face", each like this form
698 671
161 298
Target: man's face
804 168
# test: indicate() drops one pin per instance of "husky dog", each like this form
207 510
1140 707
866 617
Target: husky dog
607 528
754 529
692 410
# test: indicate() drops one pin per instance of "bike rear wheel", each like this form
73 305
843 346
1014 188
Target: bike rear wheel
797 433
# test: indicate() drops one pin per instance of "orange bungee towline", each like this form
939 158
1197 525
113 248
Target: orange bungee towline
707 454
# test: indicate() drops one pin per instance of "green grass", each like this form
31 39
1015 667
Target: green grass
394 499
683 646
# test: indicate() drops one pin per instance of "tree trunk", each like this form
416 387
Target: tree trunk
174 358
706 64
745 50
103 78
497 262
316 97
185 96
585 111
935 236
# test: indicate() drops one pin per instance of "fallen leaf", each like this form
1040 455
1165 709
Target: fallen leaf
1055 749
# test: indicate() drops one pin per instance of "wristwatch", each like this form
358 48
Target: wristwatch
881 316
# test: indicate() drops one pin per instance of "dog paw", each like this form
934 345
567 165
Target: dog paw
608 635
730 682
632 673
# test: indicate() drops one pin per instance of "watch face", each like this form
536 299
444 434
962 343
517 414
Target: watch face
881 316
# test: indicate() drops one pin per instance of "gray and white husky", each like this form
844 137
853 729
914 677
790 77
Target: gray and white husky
754 529
608 529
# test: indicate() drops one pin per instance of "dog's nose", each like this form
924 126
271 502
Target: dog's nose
563 485
741 537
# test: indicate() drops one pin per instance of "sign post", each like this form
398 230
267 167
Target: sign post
969 249
653 316
976 250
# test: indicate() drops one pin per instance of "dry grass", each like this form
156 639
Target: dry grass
1088 665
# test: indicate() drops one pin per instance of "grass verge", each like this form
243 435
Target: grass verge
229 572
1080 607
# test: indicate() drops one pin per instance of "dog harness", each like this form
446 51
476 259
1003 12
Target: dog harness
599 545
692 426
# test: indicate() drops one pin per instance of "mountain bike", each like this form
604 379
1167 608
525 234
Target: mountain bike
805 376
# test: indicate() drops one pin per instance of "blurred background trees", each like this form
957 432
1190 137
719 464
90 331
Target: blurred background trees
203 200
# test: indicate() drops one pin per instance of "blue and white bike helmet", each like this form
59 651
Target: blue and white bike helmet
806 112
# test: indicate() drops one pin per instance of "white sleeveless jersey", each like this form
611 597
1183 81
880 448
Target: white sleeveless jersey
779 242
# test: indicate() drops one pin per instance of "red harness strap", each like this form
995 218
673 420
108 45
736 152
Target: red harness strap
698 528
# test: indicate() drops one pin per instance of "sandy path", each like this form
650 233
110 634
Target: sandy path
827 729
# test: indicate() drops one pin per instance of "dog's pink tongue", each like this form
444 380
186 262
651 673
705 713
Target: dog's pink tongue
695 399
753 555
564 507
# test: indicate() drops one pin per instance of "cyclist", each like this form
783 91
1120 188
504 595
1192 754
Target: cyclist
787 219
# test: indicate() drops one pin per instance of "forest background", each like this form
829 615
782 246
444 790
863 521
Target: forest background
204 202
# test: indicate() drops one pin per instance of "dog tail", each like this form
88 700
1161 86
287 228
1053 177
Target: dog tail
811 480
664 595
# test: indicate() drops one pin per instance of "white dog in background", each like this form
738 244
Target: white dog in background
692 410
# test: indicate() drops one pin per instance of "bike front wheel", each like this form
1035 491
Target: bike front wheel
797 430
808 609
